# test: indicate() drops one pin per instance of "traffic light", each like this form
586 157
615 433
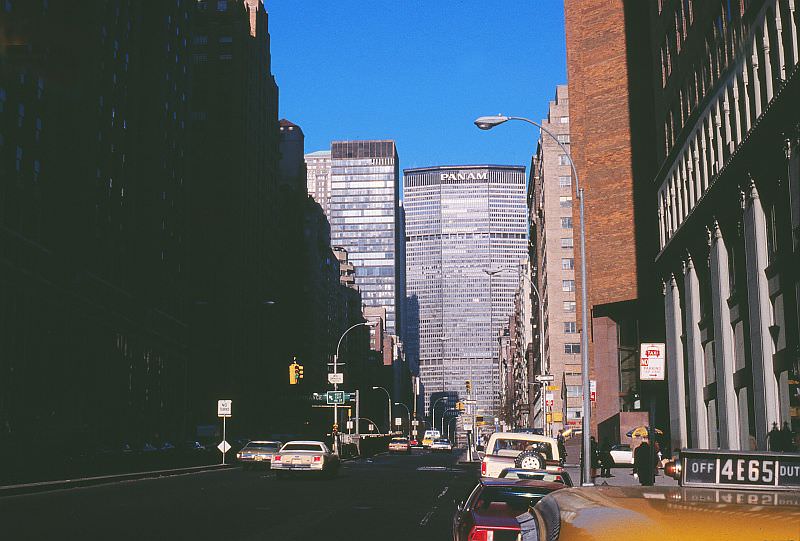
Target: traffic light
293 379
298 371
460 406
469 386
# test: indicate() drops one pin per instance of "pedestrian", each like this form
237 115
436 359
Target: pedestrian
774 438
787 438
605 458
562 448
595 456
644 464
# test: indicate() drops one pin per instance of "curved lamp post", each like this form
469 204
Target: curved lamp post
487 123
389 426
408 413
336 371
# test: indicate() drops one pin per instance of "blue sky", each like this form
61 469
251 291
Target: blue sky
419 72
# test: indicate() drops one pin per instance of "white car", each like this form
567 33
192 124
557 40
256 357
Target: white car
309 456
519 450
442 444
621 454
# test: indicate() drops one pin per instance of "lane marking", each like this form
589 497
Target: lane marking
442 493
426 518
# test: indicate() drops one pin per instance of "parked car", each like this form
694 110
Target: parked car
621 454
256 453
519 450
490 510
556 476
400 445
308 456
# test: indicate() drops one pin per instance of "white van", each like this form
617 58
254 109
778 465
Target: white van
429 436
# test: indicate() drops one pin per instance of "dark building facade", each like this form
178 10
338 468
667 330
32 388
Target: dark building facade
727 90
93 224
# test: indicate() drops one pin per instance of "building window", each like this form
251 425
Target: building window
222 5
570 327
573 391
569 306
563 159
567 263
226 39
564 120
565 201
226 56
567 285
566 222
564 182
572 348
563 138
566 242
200 40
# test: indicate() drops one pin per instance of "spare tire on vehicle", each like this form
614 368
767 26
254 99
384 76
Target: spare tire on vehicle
530 460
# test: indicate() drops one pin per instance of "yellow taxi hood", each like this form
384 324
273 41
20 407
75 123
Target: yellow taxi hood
669 513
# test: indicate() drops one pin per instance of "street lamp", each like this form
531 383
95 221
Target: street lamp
408 412
487 123
541 328
336 371
389 427
433 410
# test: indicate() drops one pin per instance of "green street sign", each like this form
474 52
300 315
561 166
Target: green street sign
336 397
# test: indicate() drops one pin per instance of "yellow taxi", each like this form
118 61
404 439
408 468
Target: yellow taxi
723 495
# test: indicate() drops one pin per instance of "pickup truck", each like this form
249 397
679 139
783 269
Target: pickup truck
519 450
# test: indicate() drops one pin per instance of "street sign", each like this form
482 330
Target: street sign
398 421
371 427
337 378
223 408
593 390
548 399
349 425
545 377
224 446
553 387
467 426
335 397
415 422
652 362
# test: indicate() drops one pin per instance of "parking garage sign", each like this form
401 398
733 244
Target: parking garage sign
652 362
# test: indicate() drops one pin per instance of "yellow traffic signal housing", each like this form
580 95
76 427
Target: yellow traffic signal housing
460 406
469 386
293 373
298 371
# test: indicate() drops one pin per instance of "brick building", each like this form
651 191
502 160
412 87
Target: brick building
610 108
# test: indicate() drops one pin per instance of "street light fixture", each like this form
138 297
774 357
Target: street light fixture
433 410
408 412
389 427
487 123
541 327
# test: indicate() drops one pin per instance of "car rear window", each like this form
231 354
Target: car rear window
517 498
301 447
262 446
399 440
512 447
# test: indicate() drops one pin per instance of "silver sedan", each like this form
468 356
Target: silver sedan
309 456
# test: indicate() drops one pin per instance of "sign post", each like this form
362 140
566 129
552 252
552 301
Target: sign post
224 411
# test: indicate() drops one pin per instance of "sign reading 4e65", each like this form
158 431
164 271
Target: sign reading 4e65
652 362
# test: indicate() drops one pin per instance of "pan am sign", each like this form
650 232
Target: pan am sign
652 362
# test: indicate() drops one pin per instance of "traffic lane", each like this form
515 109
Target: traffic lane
386 497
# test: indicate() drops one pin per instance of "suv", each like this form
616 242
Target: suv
519 450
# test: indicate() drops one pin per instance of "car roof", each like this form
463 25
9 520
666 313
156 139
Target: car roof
260 442
305 442
527 436
532 483
600 513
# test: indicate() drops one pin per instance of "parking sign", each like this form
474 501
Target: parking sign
652 362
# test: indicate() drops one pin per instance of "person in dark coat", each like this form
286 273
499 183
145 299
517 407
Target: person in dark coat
644 464
605 458
774 438
787 438
595 456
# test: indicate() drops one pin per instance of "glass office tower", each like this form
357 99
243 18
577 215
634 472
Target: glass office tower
460 222
365 219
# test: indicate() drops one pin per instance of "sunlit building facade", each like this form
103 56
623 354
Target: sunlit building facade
462 221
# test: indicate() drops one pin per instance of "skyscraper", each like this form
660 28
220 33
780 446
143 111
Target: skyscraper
550 192
318 177
462 221
364 213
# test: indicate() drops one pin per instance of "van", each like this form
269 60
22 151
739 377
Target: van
429 436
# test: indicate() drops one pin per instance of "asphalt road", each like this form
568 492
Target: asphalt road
383 498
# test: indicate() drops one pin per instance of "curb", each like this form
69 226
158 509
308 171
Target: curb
44 486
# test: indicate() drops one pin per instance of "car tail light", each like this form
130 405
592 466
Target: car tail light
483 468
673 469
317 459
277 458
487 534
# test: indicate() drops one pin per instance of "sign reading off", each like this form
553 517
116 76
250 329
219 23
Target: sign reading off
744 470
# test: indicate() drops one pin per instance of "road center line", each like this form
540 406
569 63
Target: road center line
427 517
442 493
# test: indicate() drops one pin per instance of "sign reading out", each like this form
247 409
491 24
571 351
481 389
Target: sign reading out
652 362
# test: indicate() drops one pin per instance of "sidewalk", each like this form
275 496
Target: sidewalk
621 476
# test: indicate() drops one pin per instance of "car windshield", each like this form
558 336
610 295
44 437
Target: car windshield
261 447
518 498
514 446
302 447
